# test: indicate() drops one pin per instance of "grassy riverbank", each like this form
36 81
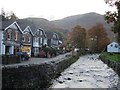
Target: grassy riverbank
111 56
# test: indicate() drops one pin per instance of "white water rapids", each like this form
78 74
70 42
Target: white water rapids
87 72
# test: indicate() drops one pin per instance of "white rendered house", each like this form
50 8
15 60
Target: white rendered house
113 47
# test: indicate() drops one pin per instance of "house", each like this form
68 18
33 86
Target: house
11 35
27 36
53 39
113 47
39 40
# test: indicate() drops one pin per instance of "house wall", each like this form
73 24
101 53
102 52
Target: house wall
0 42
42 40
2 46
112 48
45 41
18 41
27 44
12 42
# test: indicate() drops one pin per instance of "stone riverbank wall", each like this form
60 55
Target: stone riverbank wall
115 66
33 76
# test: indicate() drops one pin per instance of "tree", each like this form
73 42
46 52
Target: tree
11 16
2 16
98 38
8 15
114 17
77 37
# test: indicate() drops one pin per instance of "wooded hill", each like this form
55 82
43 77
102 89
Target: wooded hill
66 24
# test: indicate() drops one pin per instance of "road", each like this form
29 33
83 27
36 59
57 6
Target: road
39 60
87 72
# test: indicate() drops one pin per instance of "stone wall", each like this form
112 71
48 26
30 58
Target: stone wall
33 76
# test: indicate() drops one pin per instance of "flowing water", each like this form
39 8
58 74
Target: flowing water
87 72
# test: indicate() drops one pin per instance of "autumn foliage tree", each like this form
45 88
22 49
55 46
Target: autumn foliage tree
76 38
114 17
98 38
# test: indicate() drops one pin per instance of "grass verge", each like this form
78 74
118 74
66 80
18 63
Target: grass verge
111 56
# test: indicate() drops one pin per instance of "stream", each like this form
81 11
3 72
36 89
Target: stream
87 72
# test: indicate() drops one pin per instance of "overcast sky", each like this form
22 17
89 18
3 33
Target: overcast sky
53 9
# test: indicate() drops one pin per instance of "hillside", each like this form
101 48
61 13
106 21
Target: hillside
85 20
46 25
66 24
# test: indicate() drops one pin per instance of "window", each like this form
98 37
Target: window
23 38
37 32
40 40
9 35
54 36
29 39
16 36
36 39
116 46
41 33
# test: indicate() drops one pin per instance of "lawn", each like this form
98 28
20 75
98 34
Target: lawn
111 56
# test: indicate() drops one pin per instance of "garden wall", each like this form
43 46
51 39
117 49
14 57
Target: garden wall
33 76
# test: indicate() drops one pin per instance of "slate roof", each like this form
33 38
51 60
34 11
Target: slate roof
24 23
50 34
4 24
